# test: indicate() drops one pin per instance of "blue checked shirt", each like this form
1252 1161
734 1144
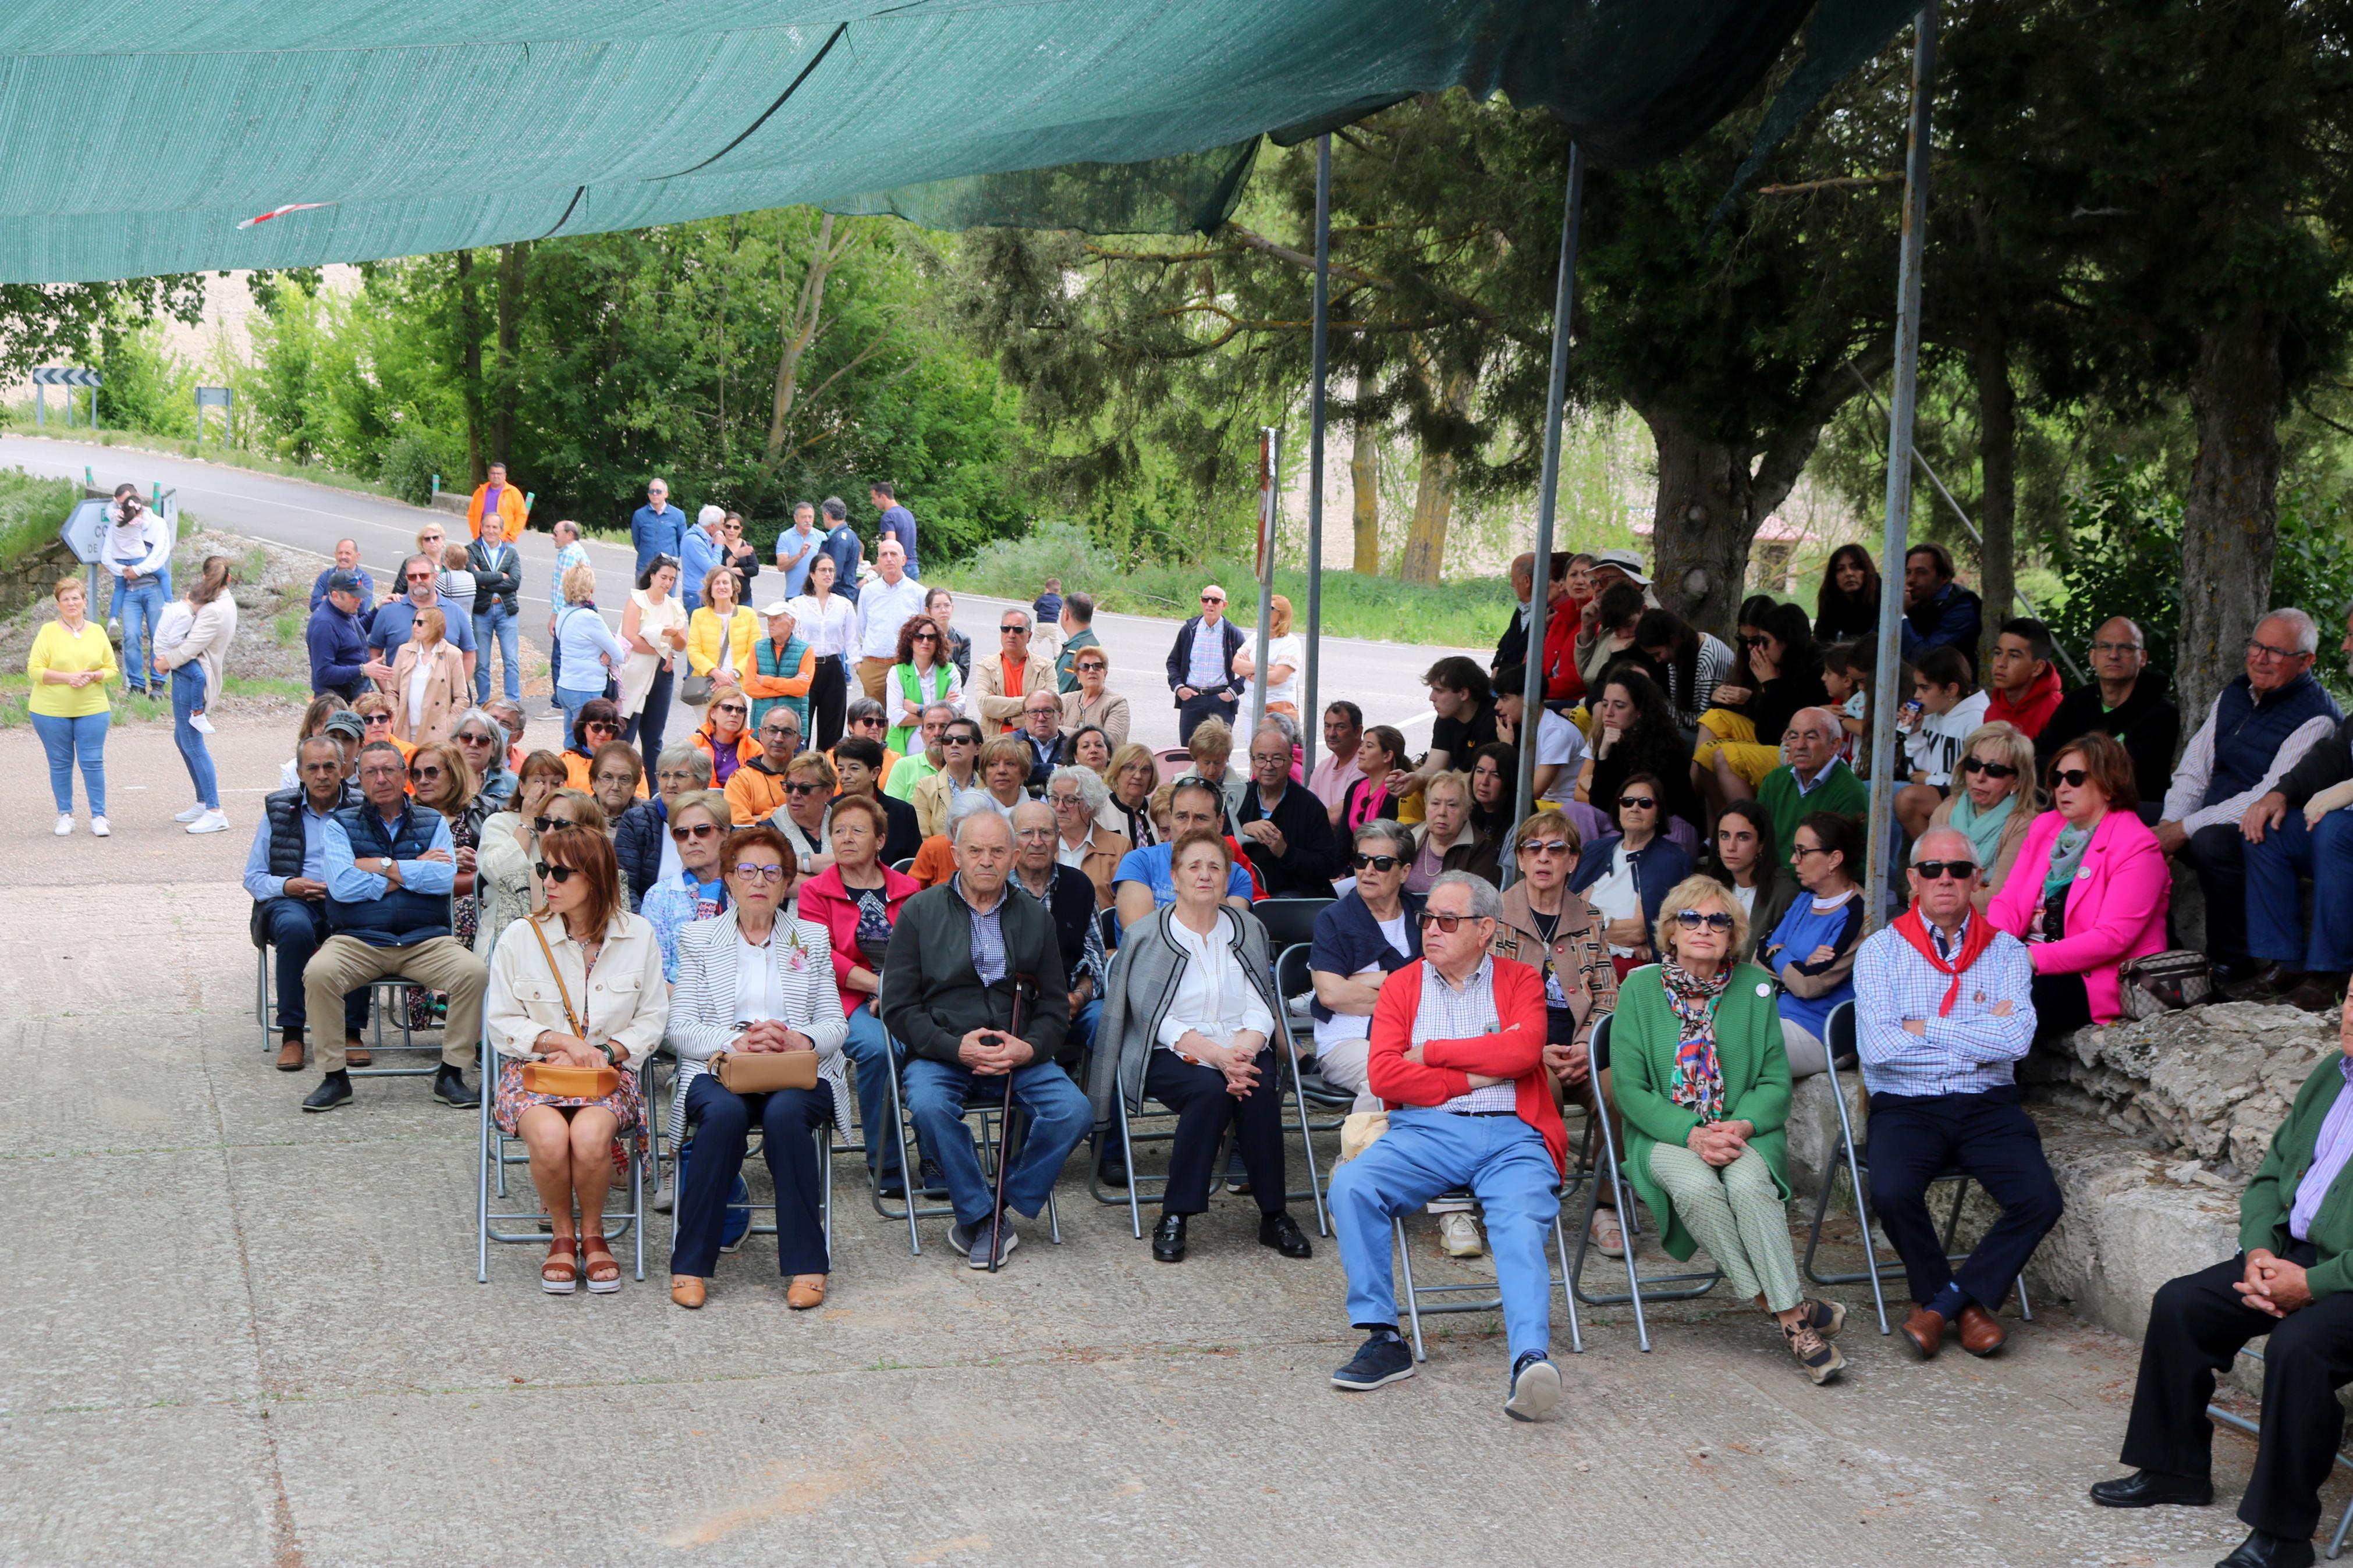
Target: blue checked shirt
1970 1051
987 935
1447 1014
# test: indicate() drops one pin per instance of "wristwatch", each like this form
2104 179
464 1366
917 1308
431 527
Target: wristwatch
610 1060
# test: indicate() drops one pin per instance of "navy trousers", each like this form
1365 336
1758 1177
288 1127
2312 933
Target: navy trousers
1198 1095
1914 1137
297 927
722 1121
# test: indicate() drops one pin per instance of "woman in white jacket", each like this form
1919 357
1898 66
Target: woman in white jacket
755 980
194 660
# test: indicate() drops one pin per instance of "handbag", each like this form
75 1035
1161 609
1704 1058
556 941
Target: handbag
562 1080
764 1072
694 691
2164 983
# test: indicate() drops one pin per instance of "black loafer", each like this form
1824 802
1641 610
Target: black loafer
449 1089
1281 1232
2146 1488
1168 1238
2261 1550
1111 1171
334 1090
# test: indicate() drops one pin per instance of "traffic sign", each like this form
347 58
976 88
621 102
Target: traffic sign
67 375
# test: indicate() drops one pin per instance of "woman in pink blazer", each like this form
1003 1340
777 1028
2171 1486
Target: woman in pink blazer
2089 888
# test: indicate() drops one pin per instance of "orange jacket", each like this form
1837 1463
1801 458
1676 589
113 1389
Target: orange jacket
510 507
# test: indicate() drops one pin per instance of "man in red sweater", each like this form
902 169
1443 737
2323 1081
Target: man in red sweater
1458 1053
2025 687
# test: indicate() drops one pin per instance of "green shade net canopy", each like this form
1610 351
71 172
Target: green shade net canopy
144 136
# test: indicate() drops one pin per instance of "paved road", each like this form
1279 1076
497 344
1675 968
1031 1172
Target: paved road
1384 677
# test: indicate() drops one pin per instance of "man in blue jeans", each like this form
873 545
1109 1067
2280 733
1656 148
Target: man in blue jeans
286 872
498 584
958 956
138 552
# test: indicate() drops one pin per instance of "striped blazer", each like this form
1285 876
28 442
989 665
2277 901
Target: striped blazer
703 1015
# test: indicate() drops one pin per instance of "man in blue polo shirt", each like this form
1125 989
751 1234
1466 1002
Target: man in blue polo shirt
841 543
656 527
897 522
395 618
1144 881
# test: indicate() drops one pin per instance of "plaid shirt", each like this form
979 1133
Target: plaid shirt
1449 1013
1969 1051
987 936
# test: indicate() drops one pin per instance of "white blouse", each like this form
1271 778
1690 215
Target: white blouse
1615 896
1213 995
831 630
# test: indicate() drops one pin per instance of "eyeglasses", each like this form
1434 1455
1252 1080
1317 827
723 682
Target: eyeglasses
1377 862
1959 870
778 732
1713 920
420 577
729 708
864 720
433 772
673 776
623 781
559 875
1990 770
1546 847
958 740
1450 924
1211 599
698 832
1058 801
751 873
1638 803
2258 650
802 787
2072 777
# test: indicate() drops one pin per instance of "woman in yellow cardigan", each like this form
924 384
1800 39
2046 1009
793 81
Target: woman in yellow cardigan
719 634
70 664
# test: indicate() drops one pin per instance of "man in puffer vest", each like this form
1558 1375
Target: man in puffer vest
286 872
390 873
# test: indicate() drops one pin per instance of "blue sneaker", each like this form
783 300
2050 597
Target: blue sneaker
738 1224
1382 1359
1535 1388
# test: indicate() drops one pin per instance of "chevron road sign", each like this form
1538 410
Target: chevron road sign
67 375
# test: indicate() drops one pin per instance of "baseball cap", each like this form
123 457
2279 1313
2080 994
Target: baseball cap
342 582
1626 561
781 607
346 723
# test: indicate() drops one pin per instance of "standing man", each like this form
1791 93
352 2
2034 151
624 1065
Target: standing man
703 547
1937 611
138 552
496 498
1078 619
1201 665
1284 830
286 873
797 547
420 577
2127 700
841 543
940 605
347 559
2025 686
897 523
889 602
1001 680
1336 769
497 566
569 552
338 647
656 527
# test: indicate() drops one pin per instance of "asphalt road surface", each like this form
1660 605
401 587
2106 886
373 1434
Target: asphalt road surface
1383 678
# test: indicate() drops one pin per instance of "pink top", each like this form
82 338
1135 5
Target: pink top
2114 910
1329 782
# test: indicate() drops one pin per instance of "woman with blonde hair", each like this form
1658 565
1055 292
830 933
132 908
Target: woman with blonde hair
720 633
1091 701
588 652
1994 801
70 663
1284 660
428 682
1132 775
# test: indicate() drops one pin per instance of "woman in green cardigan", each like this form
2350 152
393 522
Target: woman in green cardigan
1699 1074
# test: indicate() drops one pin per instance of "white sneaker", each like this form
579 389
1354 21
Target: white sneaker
65 823
210 822
200 724
99 829
192 813
1458 1233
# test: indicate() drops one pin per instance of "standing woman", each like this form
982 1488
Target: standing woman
587 648
653 628
428 682
580 986
1134 776
1092 702
745 558
1284 661
922 677
828 624
70 664
719 634
1847 608
195 665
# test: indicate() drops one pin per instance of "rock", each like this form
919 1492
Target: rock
2211 1083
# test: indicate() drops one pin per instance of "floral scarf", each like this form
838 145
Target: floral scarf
1698 1082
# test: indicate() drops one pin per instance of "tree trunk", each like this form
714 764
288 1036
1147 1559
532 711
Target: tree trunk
2230 521
1998 455
469 368
1364 477
507 381
1701 524
800 330
1433 495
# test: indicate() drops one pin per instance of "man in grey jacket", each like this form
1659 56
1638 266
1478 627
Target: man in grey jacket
957 955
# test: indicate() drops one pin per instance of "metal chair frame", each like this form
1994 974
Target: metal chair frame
1491 1298
492 1159
1841 1042
2254 1429
265 1010
993 1143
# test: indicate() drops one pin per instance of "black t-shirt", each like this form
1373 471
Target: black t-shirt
1560 1024
1458 738
874 924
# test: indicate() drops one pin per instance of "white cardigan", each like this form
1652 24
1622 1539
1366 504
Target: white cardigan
627 1002
702 1014
208 642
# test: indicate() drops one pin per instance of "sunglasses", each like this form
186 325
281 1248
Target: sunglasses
1014 631
372 719
926 637
730 708
698 832
1546 847
1450 924
1377 862
473 740
958 740
426 773
1211 599
1638 803
1091 669
1990 770
550 824
559 875
1959 870
802 788
595 726
1715 920
420 577
751 873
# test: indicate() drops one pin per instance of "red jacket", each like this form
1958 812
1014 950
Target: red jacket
1515 1051
824 900
2042 701
1563 682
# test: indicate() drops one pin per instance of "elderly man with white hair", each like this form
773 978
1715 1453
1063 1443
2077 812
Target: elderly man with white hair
705 547
1815 778
1944 1011
2258 728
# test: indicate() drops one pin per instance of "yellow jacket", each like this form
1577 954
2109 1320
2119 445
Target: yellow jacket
702 640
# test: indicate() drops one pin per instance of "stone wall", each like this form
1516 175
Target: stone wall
33 576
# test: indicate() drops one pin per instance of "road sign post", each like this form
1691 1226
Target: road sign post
222 398
68 377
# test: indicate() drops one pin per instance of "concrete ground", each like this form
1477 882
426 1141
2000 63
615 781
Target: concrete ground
232 1333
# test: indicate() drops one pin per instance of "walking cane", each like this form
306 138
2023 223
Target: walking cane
1024 987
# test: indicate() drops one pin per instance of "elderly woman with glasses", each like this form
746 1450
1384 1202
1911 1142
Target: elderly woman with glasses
809 786
1077 795
1362 938
482 740
857 900
376 712
1995 804
1091 701
1699 1074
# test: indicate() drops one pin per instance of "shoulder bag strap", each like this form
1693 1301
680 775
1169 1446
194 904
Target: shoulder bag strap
579 1030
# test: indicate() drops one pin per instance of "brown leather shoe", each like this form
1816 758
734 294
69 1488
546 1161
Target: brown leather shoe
355 1054
807 1291
1926 1329
290 1055
687 1290
1980 1334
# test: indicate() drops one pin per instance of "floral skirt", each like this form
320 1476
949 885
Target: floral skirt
627 1104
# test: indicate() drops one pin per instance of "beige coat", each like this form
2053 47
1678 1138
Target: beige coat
447 694
206 645
1110 712
998 713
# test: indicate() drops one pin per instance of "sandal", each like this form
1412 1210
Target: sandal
1608 1233
604 1268
561 1273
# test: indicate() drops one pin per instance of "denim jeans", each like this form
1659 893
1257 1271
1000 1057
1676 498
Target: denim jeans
1425 1152
68 741
2274 908
869 1048
296 928
643 729
496 624
138 609
572 702
1059 1116
187 698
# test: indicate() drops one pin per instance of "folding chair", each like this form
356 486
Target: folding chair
752 1148
984 1100
1107 922
2254 1429
389 992
904 864
1491 1298
1841 1047
1684 1286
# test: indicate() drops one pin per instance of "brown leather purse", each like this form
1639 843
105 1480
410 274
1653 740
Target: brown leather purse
764 1072
561 1080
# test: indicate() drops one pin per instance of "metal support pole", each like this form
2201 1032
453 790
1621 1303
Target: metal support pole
1310 714
1269 483
1885 697
1572 218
